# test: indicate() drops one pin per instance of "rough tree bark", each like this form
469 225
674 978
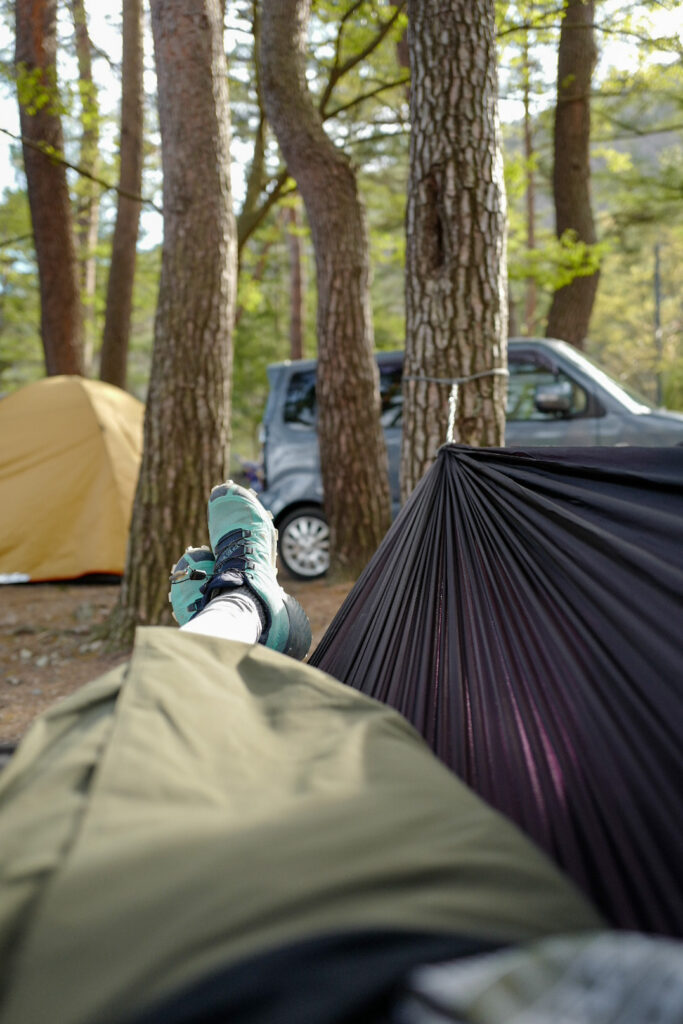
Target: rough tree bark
186 442
116 335
61 320
572 305
456 285
297 284
352 449
530 296
87 192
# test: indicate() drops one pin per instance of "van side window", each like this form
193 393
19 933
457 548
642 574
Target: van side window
391 394
300 404
301 407
526 376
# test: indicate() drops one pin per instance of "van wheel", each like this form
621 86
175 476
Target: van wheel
304 542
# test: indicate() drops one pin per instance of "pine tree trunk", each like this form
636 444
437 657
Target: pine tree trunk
352 449
186 444
572 305
297 288
530 296
114 357
60 304
456 287
87 191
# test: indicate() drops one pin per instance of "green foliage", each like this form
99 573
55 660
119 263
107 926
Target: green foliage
37 90
637 165
347 57
147 271
263 323
553 262
672 385
383 187
21 352
88 99
356 78
558 261
622 335
637 181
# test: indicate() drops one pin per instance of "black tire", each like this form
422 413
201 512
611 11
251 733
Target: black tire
304 542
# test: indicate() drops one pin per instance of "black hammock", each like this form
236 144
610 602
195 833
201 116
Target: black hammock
525 613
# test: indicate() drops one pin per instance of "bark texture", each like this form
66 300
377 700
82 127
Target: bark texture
456 284
352 449
530 296
572 305
87 191
116 336
186 441
61 320
297 283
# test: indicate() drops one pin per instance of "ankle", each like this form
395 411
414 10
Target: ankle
242 591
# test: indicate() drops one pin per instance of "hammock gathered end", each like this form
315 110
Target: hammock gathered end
525 614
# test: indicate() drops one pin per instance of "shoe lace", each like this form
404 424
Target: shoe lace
232 551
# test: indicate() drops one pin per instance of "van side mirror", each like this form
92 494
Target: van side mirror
557 398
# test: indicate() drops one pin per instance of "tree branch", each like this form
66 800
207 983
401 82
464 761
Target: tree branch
366 96
661 42
545 21
338 71
249 220
346 16
5 242
670 43
634 132
371 139
252 216
52 154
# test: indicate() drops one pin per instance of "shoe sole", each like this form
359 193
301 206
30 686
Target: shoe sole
300 636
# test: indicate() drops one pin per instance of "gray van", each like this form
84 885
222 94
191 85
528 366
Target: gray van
556 396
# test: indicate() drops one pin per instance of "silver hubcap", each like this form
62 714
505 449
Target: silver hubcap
305 546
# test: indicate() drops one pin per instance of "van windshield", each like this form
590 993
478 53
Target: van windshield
634 402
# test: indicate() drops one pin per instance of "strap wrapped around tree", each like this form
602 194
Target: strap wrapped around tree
525 613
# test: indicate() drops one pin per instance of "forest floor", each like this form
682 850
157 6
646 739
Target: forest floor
50 643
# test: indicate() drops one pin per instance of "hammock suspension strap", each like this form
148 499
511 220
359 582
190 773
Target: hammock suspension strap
455 382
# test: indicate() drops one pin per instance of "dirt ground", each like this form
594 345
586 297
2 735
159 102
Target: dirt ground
49 643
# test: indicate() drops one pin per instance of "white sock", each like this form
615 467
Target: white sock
229 615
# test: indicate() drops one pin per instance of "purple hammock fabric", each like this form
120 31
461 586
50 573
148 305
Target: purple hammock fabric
525 613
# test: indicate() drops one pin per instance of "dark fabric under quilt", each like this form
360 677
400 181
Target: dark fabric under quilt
525 613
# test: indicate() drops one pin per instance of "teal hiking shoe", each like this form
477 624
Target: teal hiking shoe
244 543
188 576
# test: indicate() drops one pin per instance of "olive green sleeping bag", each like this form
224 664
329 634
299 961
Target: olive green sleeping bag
210 802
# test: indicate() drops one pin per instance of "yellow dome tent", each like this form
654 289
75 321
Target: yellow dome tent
70 452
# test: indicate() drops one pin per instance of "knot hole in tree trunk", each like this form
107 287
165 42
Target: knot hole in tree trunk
432 228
